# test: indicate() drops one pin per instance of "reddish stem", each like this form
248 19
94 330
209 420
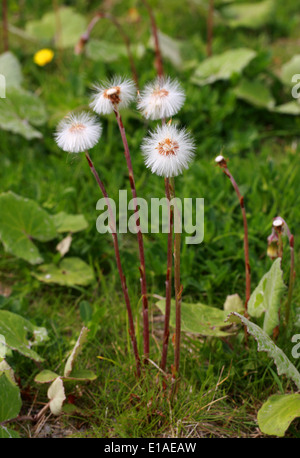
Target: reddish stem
168 281
142 267
158 56
86 36
119 265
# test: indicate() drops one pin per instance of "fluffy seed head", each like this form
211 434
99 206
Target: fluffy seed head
78 132
161 98
118 92
168 150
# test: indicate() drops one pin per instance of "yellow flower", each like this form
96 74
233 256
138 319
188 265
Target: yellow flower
43 57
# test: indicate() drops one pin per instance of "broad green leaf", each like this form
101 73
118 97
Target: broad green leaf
20 111
70 272
64 27
198 318
105 51
10 68
222 66
266 297
250 15
277 413
56 394
45 376
289 108
80 375
289 69
3 347
11 403
80 341
233 303
265 343
7 433
20 334
23 220
255 93
7 370
69 223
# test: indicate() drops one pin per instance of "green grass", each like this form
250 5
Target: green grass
263 151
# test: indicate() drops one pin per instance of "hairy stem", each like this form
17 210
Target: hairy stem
119 265
168 281
142 267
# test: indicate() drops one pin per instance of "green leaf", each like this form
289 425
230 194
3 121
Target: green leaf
170 49
64 26
69 223
23 220
105 51
86 311
21 110
7 370
70 272
277 413
266 297
56 394
289 108
10 68
265 343
250 15
255 93
222 66
198 318
45 376
11 403
233 303
289 69
81 375
7 433
80 341
15 329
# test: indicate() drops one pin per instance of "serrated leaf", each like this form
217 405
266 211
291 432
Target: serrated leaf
255 93
250 15
10 68
198 318
56 394
266 344
20 111
266 297
70 272
80 341
223 66
16 329
23 220
45 376
69 223
64 26
277 413
11 403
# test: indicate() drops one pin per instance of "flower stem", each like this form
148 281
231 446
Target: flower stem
178 288
86 36
246 242
142 267
158 56
168 280
119 265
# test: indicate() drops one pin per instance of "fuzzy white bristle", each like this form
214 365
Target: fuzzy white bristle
118 92
168 150
161 98
78 132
